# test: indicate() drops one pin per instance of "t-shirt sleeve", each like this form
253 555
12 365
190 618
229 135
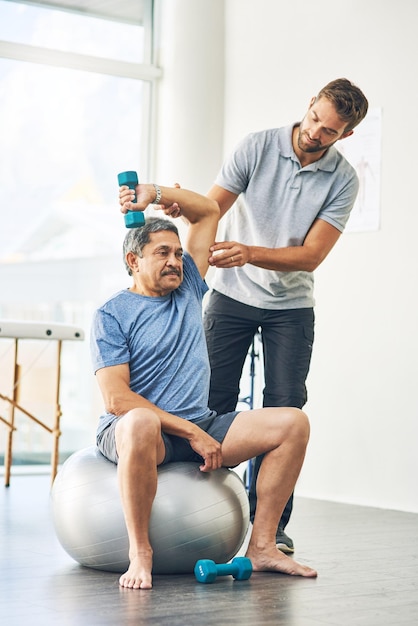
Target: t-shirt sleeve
108 343
191 277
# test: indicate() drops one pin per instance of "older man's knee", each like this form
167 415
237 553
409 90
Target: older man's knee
137 427
296 423
301 424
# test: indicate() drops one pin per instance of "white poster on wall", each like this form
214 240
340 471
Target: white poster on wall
363 151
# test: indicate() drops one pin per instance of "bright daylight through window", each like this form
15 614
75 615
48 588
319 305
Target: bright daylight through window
73 113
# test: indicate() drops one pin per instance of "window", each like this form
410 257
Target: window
67 31
75 101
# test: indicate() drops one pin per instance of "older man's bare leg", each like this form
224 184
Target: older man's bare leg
282 434
140 448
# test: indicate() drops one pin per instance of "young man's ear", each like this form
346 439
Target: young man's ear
347 134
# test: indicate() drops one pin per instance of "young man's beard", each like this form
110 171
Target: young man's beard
318 147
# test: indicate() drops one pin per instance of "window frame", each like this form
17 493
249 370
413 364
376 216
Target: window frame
148 72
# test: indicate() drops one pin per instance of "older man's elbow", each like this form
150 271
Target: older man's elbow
114 405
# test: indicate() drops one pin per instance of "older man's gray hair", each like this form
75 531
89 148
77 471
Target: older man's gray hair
137 238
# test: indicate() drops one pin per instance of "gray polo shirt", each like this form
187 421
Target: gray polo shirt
277 204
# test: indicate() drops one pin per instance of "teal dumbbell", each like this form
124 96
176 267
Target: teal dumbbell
133 219
239 568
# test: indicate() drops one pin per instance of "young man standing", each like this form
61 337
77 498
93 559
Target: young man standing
286 194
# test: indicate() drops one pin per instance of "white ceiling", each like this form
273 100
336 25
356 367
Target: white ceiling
123 10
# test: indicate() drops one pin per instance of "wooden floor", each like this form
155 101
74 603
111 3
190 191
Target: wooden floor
367 561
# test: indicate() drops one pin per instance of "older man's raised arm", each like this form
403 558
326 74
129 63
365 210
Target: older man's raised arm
201 213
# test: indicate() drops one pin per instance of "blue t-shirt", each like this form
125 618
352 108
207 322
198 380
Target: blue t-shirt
163 341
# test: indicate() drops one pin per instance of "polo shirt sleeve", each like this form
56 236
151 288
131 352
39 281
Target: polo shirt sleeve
342 196
237 167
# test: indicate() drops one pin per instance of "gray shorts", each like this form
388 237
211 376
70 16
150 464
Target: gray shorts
176 448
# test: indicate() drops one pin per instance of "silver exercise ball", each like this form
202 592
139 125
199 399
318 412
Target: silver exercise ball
194 516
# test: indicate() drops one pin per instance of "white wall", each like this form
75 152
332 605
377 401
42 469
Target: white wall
190 96
362 400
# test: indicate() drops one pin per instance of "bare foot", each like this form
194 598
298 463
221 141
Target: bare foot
138 575
272 560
